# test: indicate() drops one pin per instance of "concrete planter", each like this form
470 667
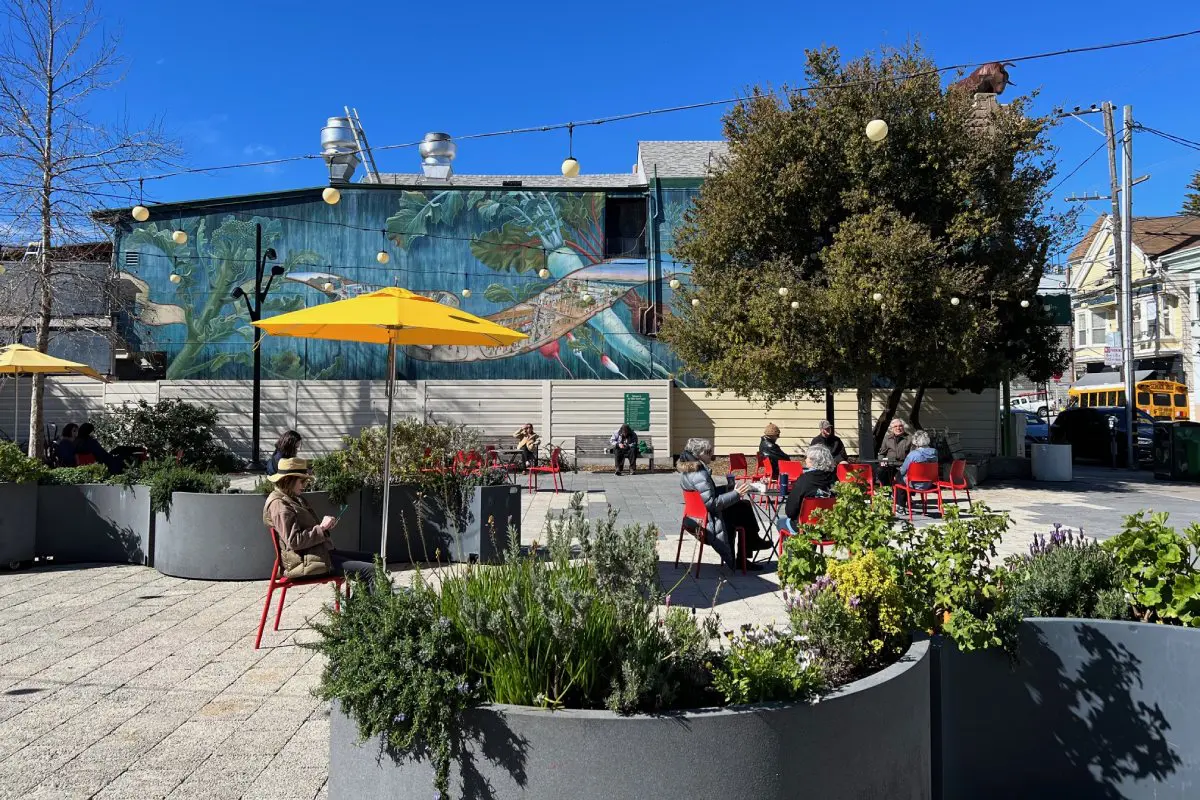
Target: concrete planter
18 522
493 515
94 522
418 530
221 537
1091 708
879 725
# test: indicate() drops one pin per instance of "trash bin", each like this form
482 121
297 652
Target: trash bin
1051 462
1177 450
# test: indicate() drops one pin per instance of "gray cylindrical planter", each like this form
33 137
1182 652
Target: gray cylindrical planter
417 530
869 739
94 522
1090 708
221 537
494 515
18 522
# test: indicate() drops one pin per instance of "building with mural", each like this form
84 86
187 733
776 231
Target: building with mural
582 265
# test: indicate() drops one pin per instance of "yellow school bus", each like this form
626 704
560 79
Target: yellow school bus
1159 399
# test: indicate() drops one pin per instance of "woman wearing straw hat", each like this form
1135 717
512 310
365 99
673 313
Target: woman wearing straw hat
304 545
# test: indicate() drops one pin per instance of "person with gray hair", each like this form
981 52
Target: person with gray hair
922 452
827 438
817 481
893 451
728 510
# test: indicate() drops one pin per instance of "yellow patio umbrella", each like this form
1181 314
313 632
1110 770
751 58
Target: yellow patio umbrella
17 360
390 316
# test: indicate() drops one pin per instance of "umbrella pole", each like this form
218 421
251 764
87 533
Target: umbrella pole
16 406
387 449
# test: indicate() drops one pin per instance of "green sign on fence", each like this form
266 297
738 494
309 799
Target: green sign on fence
637 410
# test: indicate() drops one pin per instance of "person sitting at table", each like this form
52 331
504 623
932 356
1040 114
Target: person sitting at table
817 481
922 452
64 448
89 451
894 450
727 510
527 445
305 548
827 438
625 446
768 448
286 446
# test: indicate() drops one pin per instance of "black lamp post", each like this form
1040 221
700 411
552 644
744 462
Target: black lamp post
255 310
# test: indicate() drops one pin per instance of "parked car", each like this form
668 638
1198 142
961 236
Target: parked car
1089 432
1036 404
1037 430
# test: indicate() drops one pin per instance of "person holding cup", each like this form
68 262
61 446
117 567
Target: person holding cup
305 548
893 451
728 509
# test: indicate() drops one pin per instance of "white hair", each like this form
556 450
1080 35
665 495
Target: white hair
895 420
819 457
699 447
920 439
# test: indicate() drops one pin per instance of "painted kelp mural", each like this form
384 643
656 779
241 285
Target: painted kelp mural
533 261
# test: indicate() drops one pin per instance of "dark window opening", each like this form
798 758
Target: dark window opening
1161 399
625 227
141 366
1180 400
1143 399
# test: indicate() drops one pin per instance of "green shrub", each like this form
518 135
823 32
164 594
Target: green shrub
834 632
167 428
166 477
16 467
765 663
70 476
332 474
1160 573
363 456
858 523
869 590
801 563
1065 575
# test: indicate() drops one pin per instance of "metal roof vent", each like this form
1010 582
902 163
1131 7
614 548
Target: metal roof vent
339 149
437 152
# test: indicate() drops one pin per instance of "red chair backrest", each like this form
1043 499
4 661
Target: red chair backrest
810 504
764 467
923 472
737 461
467 460
554 456
856 473
278 559
83 459
693 506
793 469
958 472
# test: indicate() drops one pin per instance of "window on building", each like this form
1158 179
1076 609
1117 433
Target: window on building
1139 319
1099 327
1081 329
1170 305
625 227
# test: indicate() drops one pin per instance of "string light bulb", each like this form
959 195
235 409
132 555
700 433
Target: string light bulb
877 130
695 302
176 277
795 305
586 299
466 292
331 195
382 257
877 296
328 287
954 301
140 213
570 165
179 237
675 284
1024 304
543 273
783 291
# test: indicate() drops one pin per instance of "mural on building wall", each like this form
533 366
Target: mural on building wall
534 261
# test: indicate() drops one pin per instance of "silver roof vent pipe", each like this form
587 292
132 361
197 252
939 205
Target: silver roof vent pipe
339 149
437 152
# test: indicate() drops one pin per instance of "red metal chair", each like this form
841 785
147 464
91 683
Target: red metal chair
862 474
554 469
807 506
694 509
764 470
918 472
793 469
958 480
283 582
738 463
467 463
83 459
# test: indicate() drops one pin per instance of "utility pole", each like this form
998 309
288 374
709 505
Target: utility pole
1124 310
1127 279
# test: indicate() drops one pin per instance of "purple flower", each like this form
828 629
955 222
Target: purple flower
854 601
401 717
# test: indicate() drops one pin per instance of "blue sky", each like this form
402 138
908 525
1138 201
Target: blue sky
238 81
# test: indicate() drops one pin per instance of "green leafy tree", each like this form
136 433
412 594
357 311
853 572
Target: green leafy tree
1191 200
952 204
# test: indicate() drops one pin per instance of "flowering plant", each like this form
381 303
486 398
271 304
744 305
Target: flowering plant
767 663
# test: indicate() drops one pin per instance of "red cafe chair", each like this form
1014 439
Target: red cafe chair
280 581
918 472
695 510
862 474
958 480
554 469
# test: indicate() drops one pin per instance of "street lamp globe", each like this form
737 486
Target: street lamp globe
570 167
140 213
179 237
331 195
877 130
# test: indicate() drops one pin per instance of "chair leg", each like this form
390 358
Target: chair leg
968 491
700 555
679 548
262 623
941 510
337 597
279 613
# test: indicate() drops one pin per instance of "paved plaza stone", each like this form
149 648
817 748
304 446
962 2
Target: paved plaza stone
119 682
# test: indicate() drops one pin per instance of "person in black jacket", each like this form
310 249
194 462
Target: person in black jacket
827 439
768 448
286 446
817 481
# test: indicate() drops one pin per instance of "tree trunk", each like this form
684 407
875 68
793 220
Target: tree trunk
916 409
885 419
829 404
865 437
46 299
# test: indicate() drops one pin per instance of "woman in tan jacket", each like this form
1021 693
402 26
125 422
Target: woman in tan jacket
527 444
304 544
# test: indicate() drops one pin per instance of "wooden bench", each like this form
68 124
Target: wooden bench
597 450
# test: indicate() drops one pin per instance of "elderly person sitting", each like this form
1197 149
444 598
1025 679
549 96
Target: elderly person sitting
768 448
922 452
727 510
305 548
893 451
827 438
817 481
